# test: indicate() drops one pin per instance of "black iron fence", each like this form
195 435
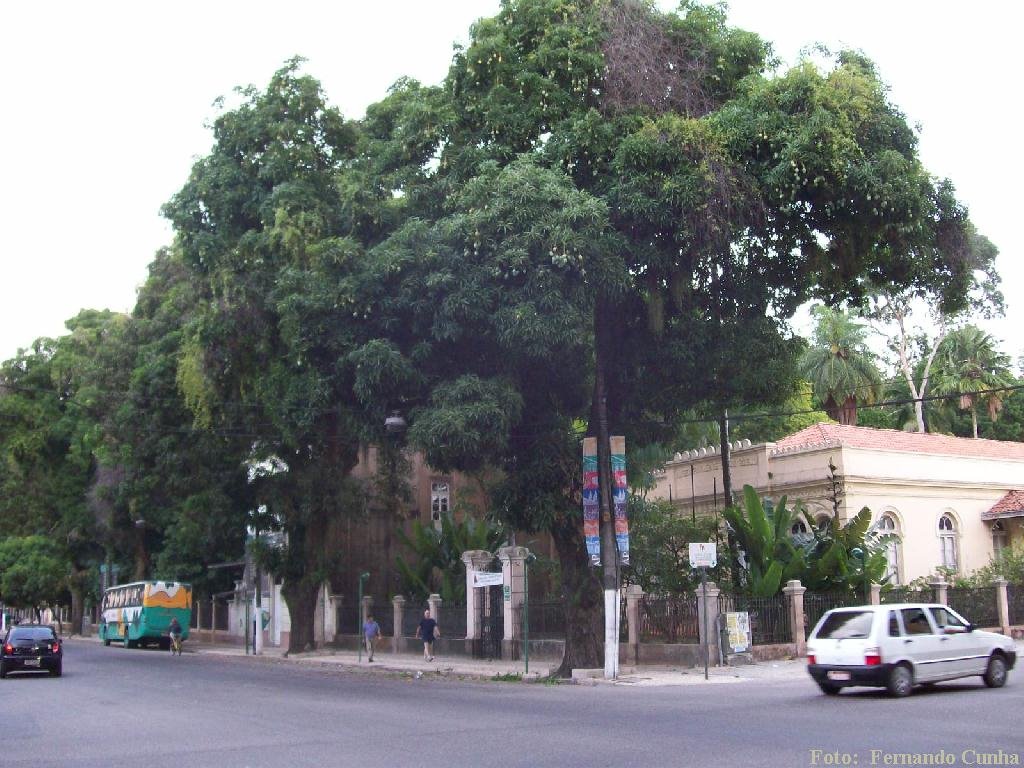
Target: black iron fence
347 619
978 606
412 615
547 620
769 616
1015 603
385 618
906 595
451 620
816 604
220 616
669 620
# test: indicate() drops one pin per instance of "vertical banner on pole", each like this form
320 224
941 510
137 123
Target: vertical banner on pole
591 495
620 495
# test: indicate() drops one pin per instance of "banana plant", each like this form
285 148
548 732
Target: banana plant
844 557
435 556
763 531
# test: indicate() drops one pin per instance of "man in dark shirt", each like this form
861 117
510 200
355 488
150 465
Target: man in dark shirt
426 632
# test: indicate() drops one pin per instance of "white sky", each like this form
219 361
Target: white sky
105 104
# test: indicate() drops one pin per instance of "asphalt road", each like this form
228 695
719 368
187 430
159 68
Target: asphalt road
117 707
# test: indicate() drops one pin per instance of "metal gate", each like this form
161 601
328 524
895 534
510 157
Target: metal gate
490 618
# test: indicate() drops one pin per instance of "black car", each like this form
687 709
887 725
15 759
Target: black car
31 648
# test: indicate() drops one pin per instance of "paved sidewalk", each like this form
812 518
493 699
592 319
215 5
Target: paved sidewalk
458 666
463 667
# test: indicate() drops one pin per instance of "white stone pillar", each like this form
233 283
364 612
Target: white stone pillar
794 592
513 571
707 598
1003 605
634 594
939 588
876 594
397 614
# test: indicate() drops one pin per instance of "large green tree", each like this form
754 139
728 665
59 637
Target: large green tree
609 213
272 227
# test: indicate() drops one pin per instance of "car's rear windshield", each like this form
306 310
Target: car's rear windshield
843 625
32 633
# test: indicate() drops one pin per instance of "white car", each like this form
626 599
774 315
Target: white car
901 645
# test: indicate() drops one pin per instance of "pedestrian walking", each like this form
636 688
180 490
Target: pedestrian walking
371 631
428 631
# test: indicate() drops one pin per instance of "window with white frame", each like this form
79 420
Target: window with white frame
440 501
889 531
1000 539
947 543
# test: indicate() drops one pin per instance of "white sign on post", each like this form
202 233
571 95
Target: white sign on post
703 555
486 579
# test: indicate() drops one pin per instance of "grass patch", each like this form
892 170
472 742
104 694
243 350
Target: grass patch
508 677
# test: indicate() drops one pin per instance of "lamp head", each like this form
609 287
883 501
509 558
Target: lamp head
394 424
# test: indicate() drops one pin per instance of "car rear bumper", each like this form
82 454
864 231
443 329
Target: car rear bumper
27 663
877 675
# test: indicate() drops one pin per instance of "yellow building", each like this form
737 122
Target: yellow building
946 501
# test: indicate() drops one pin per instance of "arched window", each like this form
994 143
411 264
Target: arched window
797 528
947 543
1000 539
888 529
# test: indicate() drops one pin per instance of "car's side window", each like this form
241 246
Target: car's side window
946 621
894 624
916 622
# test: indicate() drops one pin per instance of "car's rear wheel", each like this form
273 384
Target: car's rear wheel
995 673
3 670
830 689
57 671
901 681
106 641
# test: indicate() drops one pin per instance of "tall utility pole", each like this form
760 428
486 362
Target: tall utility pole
609 551
723 434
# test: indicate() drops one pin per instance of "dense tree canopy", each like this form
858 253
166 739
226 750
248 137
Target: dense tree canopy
605 214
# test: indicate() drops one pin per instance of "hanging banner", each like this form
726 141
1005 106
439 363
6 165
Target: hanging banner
620 496
591 504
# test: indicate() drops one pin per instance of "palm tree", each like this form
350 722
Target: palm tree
839 365
971 368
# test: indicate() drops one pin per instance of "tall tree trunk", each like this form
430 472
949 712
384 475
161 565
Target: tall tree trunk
848 415
581 597
974 421
77 601
301 599
734 548
141 566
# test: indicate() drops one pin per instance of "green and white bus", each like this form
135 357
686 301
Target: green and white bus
140 613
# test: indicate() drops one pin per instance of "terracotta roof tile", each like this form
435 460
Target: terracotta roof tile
895 440
1011 505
